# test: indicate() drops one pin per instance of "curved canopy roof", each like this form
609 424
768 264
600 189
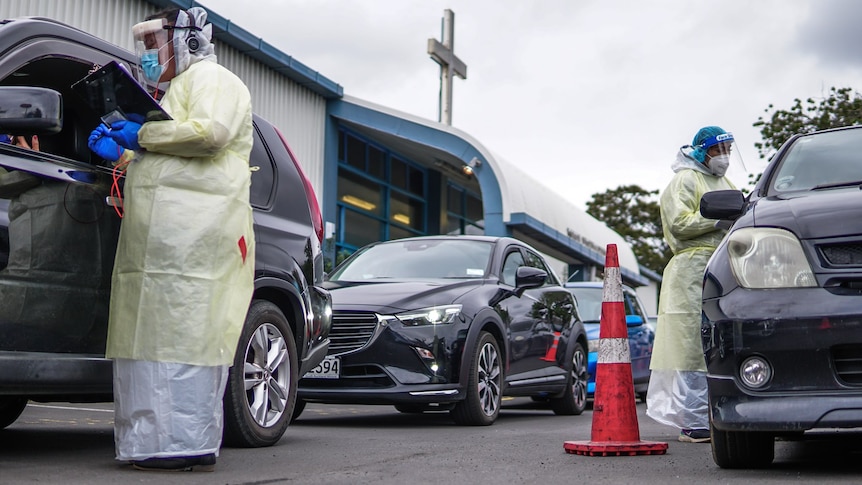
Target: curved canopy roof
512 199
521 193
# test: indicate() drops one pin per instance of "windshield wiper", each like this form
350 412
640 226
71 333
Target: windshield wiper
837 184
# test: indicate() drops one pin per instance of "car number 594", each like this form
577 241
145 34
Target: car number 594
329 368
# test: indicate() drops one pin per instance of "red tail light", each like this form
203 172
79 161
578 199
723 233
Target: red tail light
316 215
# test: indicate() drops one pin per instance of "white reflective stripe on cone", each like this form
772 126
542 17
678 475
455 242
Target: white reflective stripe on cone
612 290
614 351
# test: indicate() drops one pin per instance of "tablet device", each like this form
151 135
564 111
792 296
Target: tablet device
114 94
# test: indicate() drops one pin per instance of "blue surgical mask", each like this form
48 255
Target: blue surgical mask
150 64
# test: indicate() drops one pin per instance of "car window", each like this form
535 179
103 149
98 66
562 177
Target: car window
633 307
536 261
513 261
418 259
820 159
262 181
589 303
59 73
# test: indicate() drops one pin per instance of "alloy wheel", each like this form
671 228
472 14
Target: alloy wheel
489 377
267 375
579 377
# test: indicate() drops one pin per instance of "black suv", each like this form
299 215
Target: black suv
58 237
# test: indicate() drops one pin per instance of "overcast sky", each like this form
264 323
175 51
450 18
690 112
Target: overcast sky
586 95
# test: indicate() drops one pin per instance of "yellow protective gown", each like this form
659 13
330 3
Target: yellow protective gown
677 391
183 276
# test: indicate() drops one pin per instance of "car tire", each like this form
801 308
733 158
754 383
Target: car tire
261 391
484 385
298 408
742 449
574 399
10 408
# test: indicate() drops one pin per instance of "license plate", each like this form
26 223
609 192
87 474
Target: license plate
329 368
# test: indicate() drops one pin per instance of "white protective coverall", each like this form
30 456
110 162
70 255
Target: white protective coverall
677 394
183 276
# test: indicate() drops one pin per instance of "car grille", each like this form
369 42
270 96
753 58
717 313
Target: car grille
350 331
846 254
848 363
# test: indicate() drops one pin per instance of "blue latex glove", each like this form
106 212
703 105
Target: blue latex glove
102 145
125 133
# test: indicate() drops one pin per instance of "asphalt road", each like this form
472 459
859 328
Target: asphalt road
71 444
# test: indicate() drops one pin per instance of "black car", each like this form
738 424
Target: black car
451 323
57 254
782 300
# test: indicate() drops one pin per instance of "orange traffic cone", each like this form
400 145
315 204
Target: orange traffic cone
615 422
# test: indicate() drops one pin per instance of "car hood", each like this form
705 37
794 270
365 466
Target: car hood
821 214
393 296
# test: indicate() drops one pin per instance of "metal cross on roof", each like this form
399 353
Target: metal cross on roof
450 66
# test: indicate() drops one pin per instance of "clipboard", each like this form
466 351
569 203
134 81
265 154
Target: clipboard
114 94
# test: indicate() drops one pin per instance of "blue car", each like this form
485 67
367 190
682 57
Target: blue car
641 334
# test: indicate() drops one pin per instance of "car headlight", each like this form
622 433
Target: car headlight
592 346
436 315
768 258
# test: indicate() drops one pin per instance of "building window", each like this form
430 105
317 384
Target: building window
381 195
359 193
464 211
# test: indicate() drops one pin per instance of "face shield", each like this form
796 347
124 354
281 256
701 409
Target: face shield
723 156
152 41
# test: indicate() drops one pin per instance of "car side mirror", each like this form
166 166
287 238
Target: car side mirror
634 320
723 204
26 110
527 277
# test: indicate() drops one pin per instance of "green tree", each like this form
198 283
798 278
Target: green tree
842 107
633 212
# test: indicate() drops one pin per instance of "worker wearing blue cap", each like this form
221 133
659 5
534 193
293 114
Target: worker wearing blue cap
677 394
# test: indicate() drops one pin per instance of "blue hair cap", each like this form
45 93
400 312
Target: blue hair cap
705 138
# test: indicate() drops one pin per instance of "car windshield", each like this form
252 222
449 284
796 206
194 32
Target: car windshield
418 259
821 161
589 303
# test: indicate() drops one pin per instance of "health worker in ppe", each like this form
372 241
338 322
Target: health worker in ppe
183 277
677 394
